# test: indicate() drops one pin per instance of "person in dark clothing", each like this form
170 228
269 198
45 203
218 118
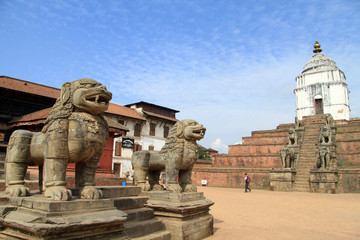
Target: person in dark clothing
247 182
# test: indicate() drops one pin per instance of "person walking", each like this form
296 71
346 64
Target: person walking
247 182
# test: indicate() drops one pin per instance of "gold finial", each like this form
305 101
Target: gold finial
317 48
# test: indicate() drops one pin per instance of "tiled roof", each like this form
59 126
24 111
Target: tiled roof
114 125
46 91
39 117
160 116
28 87
31 118
151 104
124 111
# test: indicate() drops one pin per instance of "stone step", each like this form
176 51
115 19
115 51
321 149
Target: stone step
302 181
125 203
139 229
139 214
161 235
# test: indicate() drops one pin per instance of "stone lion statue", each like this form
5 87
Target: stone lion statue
288 157
74 132
325 158
177 158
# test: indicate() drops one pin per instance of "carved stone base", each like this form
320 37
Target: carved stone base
185 215
36 217
324 181
282 179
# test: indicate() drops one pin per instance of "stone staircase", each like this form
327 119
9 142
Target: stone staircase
141 224
308 151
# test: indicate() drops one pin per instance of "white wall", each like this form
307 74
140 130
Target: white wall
331 86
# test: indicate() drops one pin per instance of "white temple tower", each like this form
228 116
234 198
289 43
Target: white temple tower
321 88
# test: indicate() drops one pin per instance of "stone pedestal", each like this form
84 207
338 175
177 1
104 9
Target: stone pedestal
36 217
324 181
185 215
282 179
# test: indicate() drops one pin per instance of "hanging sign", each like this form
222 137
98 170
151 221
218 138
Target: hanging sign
127 143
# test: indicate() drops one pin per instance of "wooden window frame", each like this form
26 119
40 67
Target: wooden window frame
166 131
152 129
118 148
137 130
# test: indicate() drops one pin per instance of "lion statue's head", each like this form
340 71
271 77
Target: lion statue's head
185 130
83 95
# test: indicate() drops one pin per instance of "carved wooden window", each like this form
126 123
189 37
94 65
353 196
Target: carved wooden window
152 129
166 131
151 147
118 146
137 147
137 130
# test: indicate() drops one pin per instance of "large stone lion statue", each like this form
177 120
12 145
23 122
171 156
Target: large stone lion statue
74 132
177 158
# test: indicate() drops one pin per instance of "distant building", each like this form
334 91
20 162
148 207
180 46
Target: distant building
321 88
148 132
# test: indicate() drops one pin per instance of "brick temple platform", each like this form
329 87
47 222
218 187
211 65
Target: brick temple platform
261 151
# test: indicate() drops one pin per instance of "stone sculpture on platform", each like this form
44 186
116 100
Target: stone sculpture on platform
177 158
287 158
325 177
75 131
325 157
325 135
289 153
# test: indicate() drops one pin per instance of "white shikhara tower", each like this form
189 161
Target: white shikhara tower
321 88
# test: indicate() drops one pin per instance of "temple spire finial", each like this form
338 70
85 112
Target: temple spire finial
317 48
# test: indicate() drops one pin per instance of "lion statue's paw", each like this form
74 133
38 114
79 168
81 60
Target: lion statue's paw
59 193
90 192
189 188
174 188
17 191
157 187
144 187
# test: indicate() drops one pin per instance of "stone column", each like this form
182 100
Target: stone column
185 215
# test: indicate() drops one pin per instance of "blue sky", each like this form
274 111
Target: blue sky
230 65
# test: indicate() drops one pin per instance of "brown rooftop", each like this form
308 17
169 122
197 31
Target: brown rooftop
160 116
28 87
39 117
124 111
46 91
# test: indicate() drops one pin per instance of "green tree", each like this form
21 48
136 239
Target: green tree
204 155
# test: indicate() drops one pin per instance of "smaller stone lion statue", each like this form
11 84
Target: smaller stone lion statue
74 132
177 158
288 157
325 158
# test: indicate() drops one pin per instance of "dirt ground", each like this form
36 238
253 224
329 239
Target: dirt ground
283 215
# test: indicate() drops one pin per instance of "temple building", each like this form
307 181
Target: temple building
321 88
319 152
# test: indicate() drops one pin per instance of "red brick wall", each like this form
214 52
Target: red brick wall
260 152
231 177
348 145
248 161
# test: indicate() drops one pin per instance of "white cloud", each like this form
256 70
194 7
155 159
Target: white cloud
232 66
219 146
